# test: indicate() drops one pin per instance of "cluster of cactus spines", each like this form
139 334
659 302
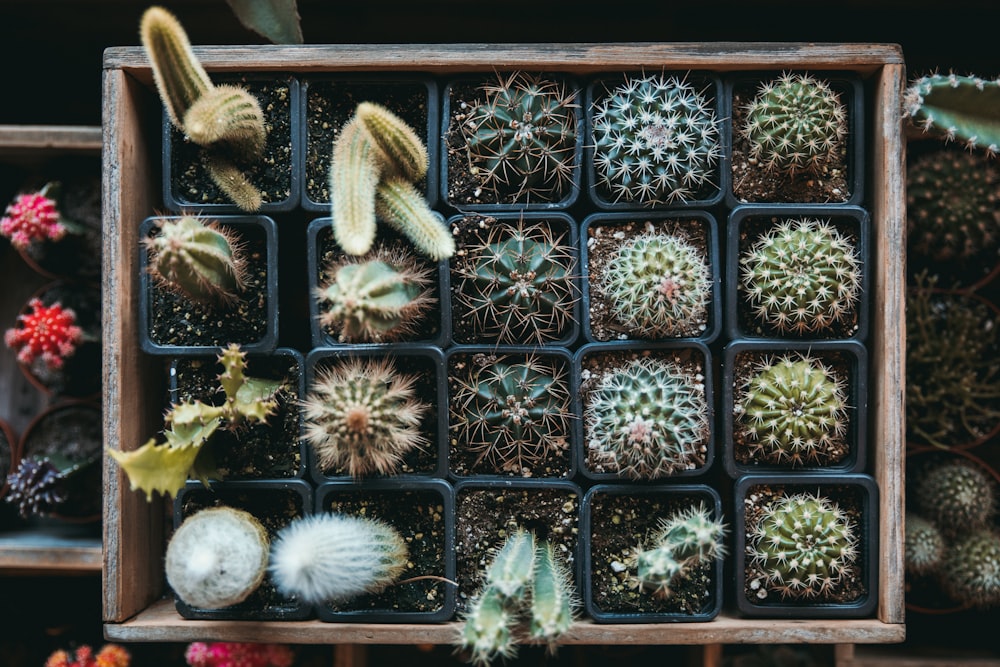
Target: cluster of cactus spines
227 113
37 487
406 152
802 277
404 209
792 410
952 206
970 569
518 284
197 258
659 286
923 545
681 542
513 413
552 596
331 558
379 298
47 334
217 557
957 495
802 544
795 124
648 418
522 138
656 140
357 165
956 108
363 416
33 217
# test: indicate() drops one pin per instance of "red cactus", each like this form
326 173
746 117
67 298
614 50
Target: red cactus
49 333
238 654
32 217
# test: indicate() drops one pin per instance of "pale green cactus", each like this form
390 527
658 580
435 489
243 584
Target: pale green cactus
956 108
682 541
197 258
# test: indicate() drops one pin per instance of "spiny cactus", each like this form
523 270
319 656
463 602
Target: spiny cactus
802 277
802 545
682 541
956 108
379 298
658 286
795 124
217 557
521 138
553 599
37 487
923 545
46 334
332 557
956 494
512 413
656 141
355 170
793 410
648 419
404 150
35 217
970 569
363 416
517 283
404 209
197 258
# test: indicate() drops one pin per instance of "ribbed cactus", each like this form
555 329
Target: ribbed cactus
180 78
793 411
658 286
512 413
487 630
381 297
553 599
802 545
521 138
656 140
647 419
355 171
795 124
956 108
956 494
923 545
404 209
682 541
802 277
404 150
198 258
516 285
363 417
970 569
229 114
331 558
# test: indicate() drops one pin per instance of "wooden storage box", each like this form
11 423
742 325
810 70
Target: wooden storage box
137 606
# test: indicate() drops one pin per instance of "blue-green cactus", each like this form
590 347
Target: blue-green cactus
956 108
682 541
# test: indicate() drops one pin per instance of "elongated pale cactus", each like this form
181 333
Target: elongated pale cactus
956 108
923 545
331 558
682 541
513 566
405 151
553 599
197 258
180 78
354 175
400 205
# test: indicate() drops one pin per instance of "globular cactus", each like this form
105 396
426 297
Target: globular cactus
802 277
332 558
521 138
37 487
956 494
197 258
970 569
802 545
953 107
793 410
363 416
923 545
795 124
217 557
517 285
656 141
33 217
647 419
45 334
658 286
381 297
682 542
512 413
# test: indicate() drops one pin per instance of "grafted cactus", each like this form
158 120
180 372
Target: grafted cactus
197 258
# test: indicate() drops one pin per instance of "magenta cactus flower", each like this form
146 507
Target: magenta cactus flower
49 333
238 654
32 217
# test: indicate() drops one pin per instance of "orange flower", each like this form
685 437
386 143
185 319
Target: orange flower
58 659
112 655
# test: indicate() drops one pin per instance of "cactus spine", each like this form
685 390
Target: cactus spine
955 494
197 258
970 569
405 209
180 78
956 108
405 151
682 542
923 545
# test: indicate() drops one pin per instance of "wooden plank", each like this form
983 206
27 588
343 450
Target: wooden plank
57 138
50 552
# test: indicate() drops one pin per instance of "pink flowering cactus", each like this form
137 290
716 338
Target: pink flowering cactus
238 654
47 333
32 217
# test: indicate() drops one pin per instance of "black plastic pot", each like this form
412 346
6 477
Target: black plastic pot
275 503
748 223
606 229
623 515
593 358
251 322
186 184
849 359
423 512
427 363
740 89
328 102
855 493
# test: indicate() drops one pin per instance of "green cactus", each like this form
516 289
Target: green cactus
379 298
802 545
658 286
956 108
793 410
923 545
954 493
802 277
656 141
647 419
795 124
970 569
487 629
364 417
682 541
553 599
405 151
180 79
516 284
512 413
197 258
521 138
